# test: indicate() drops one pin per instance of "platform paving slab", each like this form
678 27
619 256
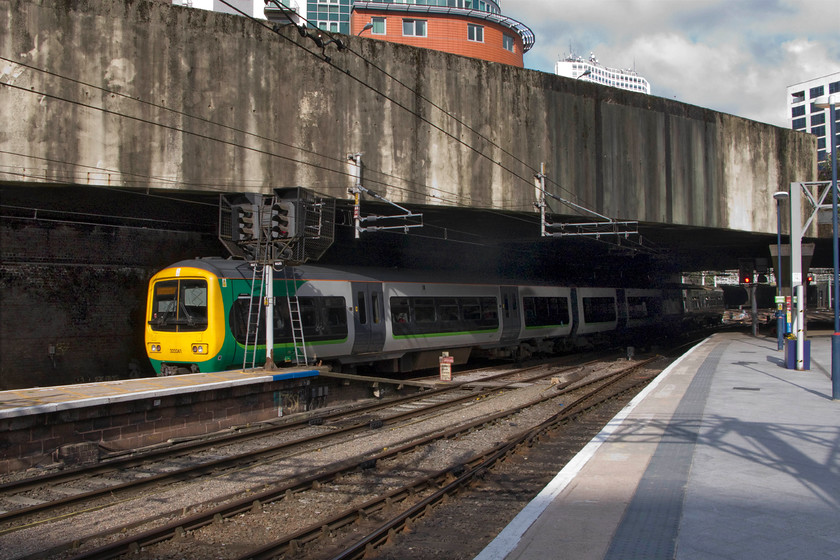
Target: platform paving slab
726 455
39 400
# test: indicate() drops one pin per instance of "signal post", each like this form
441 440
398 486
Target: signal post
285 228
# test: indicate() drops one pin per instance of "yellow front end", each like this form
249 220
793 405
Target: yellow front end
185 323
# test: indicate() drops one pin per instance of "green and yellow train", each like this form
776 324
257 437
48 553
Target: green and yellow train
198 315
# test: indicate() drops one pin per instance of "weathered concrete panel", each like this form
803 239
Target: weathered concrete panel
141 94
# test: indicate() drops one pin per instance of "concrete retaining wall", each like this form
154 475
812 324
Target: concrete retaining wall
135 94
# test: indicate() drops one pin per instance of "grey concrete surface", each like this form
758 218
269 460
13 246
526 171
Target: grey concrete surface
728 456
145 94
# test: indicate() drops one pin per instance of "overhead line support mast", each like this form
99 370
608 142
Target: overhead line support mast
283 229
359 220
607 226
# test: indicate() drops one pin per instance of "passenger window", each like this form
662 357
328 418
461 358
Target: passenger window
424 310
399 310
448 310
489 312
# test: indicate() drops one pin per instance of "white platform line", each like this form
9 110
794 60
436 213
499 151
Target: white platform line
506 541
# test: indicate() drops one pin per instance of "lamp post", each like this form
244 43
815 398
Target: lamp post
779 196
367 26
830 103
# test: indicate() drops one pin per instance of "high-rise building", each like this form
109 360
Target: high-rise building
576 67
804 116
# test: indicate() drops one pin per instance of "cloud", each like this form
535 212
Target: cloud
732 56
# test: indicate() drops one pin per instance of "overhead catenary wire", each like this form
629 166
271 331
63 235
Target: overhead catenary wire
313 152
234 129
343 46
389 75
219 188
414 91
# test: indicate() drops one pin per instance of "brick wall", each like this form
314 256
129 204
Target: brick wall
74 293
40 438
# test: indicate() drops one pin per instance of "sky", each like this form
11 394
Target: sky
735 56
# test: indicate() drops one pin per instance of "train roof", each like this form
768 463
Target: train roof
237 268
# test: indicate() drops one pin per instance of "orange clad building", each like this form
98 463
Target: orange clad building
474 28
478 33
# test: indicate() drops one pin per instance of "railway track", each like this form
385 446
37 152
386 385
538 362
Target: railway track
24 519
341 422
353 470
444 483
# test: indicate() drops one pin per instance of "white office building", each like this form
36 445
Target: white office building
576 67
804 116
251 8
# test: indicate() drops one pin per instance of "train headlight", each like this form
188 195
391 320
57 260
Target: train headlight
199 348
154 348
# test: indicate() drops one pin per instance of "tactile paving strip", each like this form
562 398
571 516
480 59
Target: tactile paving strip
649 528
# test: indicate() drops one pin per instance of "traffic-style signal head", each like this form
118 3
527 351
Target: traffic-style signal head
242 223
746 267
282 224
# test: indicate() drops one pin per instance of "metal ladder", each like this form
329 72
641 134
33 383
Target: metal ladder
298 341
254 318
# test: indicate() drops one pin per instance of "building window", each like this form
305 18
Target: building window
508 43
331 26
818 130
798 97
798 124
834 87
817 118
818 91
414 27
798 111
378 25
475 32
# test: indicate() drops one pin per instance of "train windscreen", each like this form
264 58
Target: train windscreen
179 306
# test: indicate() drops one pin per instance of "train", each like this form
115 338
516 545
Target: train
387 321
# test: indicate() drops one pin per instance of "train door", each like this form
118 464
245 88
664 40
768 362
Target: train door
623 308
368 317
510 317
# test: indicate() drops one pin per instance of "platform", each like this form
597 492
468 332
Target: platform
77 424
726 455
40 400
